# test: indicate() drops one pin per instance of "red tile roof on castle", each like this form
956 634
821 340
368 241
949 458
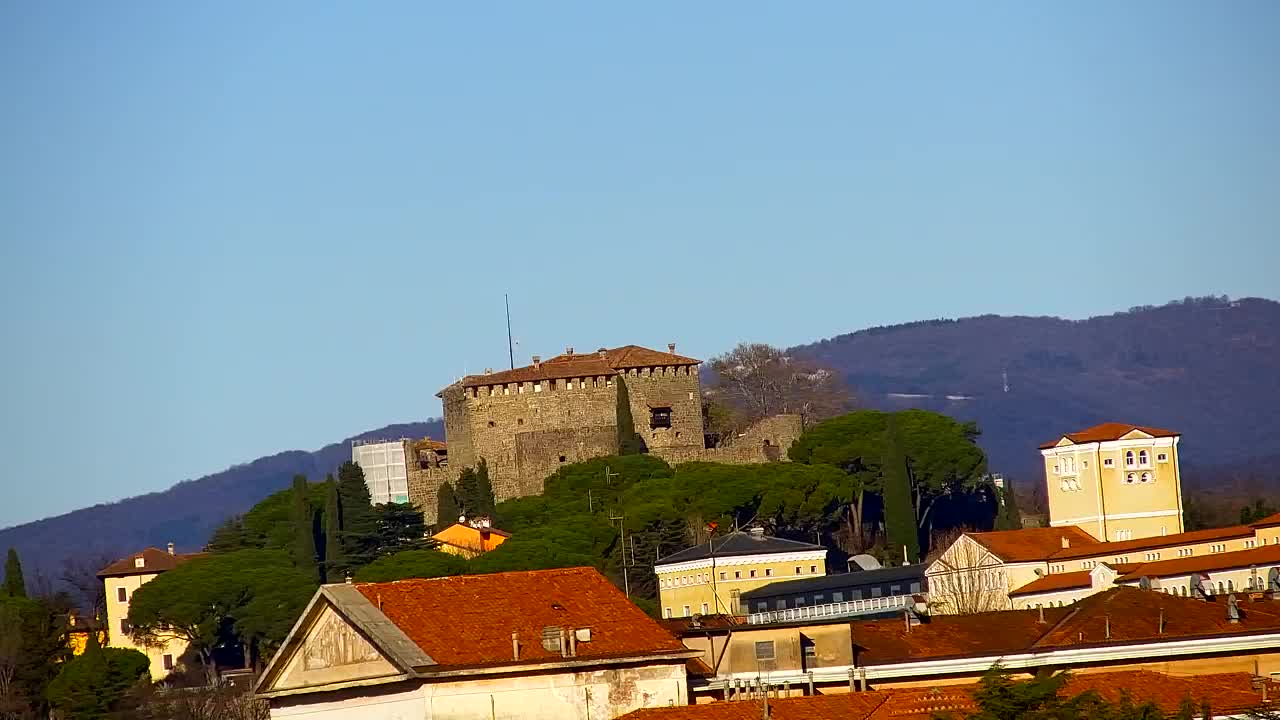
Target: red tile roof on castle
1133 614
154 560
467 621
1107 432
601 363
1225 693
1034 544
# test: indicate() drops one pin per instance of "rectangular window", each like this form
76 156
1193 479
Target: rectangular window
737 574
780 605
1108 462
753 573
764 650
875 592
762 606
659 417
856 595
813 569
667 613
121 595
819 599
124 626
768 572
915 587
837 596
723 575
895 589
686 611
1162 458
797 569
168 662
537 387
704 608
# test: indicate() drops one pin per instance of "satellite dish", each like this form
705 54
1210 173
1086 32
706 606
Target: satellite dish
1144 583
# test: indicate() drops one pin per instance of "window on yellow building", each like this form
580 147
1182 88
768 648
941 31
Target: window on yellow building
686 611
1108 462
764 650
724 576
753 573
667 613
813 568
737 574
1143 458
797 569
121 594
168 662
768 572
1129 459
704 608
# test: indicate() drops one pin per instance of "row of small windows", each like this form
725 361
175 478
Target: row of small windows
1145 477
1067 464
1156 555
701 578
1072 484
837 596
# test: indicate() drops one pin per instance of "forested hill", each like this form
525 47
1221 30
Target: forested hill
186 513
1208 367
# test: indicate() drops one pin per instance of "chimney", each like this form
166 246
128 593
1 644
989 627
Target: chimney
170 548
1042 620
1108 619
537 361
573 643
564 646
671 348
601 352
488 371
1161 621
515 646
569 351
1066 542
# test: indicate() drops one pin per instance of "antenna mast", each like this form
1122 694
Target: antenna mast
511 351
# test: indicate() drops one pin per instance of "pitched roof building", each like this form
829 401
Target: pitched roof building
564 641
470 538
120 580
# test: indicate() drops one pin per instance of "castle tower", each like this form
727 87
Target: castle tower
1115 481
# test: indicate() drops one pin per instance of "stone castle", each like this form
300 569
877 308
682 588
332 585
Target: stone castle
526 422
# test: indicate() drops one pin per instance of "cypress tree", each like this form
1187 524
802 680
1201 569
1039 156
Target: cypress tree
899 514
1008 518
14 585
475 491
334 563
304 545
447 510
359 526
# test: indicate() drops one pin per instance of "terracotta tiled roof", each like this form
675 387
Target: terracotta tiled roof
1268 521
470 538
1152 543
154 560
1134 617
1109 431
1263 557
1030 544
850 706
584 365
467 621
427 443
1063 581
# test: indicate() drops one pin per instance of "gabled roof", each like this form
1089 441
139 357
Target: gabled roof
1268 521
1128 614
467 621
1056 582
737 544
154 560
603 362
1107 432
1263 557
1152 543
1033 544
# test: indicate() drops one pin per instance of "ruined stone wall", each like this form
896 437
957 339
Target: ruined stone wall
457 428
540 453
424 488
495 415
673 387
765 441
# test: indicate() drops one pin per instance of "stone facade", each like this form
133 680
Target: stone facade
527 422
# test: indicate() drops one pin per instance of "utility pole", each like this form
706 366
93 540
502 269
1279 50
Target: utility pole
622 537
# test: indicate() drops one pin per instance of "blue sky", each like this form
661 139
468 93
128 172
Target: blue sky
234 228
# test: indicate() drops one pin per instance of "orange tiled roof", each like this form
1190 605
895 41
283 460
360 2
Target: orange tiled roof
1268 521
470 538
427 443
467 621
1029 544
584 365
1152 543
1262 556
1224 692
1134 617
1109 431
154 560
1064 581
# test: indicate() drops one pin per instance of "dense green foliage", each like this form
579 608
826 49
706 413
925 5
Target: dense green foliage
412 564
301 516
357 535
1008 517
475 492
333 558
93 685
32 646
399 527
447 509
14 585
248 598
899 519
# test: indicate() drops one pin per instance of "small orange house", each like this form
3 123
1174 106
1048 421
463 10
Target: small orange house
470 538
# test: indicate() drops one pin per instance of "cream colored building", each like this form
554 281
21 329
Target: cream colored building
709 578
121 579
1115 481
559 644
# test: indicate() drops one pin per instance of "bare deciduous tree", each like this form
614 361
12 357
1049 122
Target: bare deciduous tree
961 582
755 381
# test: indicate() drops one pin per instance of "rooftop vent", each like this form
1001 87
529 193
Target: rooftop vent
568 350
552 639
601 351
1066 542
671 348
537 361
170 548
757 533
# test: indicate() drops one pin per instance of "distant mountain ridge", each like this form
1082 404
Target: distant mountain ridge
186 513
1208 367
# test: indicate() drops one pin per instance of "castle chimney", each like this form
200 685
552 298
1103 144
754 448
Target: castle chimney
170 548
569 351
537 361
601 351
488 371
671 348
1066 542
515 646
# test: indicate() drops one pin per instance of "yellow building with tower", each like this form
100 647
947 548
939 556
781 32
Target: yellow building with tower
709 578
1115 481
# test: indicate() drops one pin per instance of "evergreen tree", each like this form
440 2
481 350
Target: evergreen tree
447 509
358 534
400 527
230 536
304 545
475 492
14 585
899 514
1008 518
334 563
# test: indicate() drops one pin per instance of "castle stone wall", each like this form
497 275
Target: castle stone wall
671 387
539 454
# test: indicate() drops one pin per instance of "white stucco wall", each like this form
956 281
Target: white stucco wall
590 694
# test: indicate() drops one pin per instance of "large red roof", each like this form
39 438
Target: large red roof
468 620
154 560
1033 544
601 363
1118 547
1107 432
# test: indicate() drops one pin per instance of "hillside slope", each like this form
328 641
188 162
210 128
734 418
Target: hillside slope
1208 367
186 513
